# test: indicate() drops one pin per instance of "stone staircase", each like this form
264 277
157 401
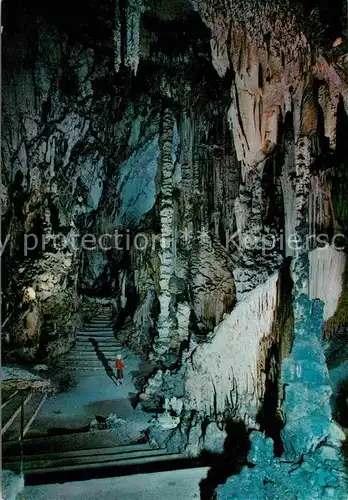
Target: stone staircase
83 455
96 346
79 455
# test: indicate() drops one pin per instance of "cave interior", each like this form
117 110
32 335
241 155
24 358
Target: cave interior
174 183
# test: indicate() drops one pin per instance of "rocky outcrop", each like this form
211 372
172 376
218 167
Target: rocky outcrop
18 378
317 476
12 484
223 374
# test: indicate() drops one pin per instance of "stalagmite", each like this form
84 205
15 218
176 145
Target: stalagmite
166 322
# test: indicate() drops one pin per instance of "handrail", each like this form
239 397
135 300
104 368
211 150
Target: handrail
21 436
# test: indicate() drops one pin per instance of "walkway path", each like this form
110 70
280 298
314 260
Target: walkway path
61 447
88 371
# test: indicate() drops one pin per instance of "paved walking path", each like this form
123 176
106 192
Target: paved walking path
90 373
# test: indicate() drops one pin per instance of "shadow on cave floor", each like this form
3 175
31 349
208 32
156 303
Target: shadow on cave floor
236 448
133 399
61 431
108 370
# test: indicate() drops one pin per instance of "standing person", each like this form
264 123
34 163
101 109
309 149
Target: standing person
119 367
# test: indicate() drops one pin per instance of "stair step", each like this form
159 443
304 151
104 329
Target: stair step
103 456
86 354
103 461
101 331
77 364
87 341
88 357
97 337
86 452
83 360
71 441
106 353
104 350
89 346
96 346
85 368
99 324
88 328
95 332
101 347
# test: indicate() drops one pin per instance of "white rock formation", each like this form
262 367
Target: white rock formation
325 278
12 484
224 371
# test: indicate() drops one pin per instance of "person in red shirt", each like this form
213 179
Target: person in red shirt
119 367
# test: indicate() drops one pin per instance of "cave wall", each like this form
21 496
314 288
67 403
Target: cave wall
65 129
54 152
288 105
91 144
280 77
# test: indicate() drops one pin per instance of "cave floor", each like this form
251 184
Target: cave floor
90 393
172 485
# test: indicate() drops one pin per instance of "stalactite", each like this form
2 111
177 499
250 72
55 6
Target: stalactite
123 281
329 103
117 37
289 199
143 314
127 33
316 204
133 14
229 360
187 135
326 277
